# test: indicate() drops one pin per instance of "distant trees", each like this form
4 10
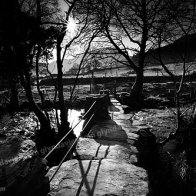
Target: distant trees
74 69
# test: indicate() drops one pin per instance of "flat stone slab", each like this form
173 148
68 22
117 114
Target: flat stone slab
87 149
108 130
98 177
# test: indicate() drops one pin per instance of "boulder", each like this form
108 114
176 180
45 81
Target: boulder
108 130
22 172
98 177
87 149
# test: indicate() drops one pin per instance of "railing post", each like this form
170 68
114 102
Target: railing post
100 109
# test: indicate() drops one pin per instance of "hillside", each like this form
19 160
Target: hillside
170 54
174 52
67 64
70 66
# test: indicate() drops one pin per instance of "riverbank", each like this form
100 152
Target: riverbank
102 80
161 121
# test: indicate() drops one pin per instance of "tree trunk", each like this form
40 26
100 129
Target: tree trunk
63 110
37 75
25 79
45 136
137 88
44 122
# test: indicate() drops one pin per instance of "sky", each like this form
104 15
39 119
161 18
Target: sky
71 30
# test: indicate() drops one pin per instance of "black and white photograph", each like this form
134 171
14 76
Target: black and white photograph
97 97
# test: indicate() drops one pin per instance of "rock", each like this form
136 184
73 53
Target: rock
146 145
101 110
98 177
22 172
126 109
108 130
87 149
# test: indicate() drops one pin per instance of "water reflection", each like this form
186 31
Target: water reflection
73 118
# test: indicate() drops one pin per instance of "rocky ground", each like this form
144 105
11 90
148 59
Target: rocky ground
18 152
120 157
20 165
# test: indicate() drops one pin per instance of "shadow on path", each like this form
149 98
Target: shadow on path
84 181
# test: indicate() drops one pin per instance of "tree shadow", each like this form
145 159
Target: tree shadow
159 167
146 155
84 181
107 130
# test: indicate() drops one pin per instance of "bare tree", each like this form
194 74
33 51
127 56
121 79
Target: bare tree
130 27
58 27
181 26
28 42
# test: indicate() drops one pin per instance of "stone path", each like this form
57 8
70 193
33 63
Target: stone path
107 162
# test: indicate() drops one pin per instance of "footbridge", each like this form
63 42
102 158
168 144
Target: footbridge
110 154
